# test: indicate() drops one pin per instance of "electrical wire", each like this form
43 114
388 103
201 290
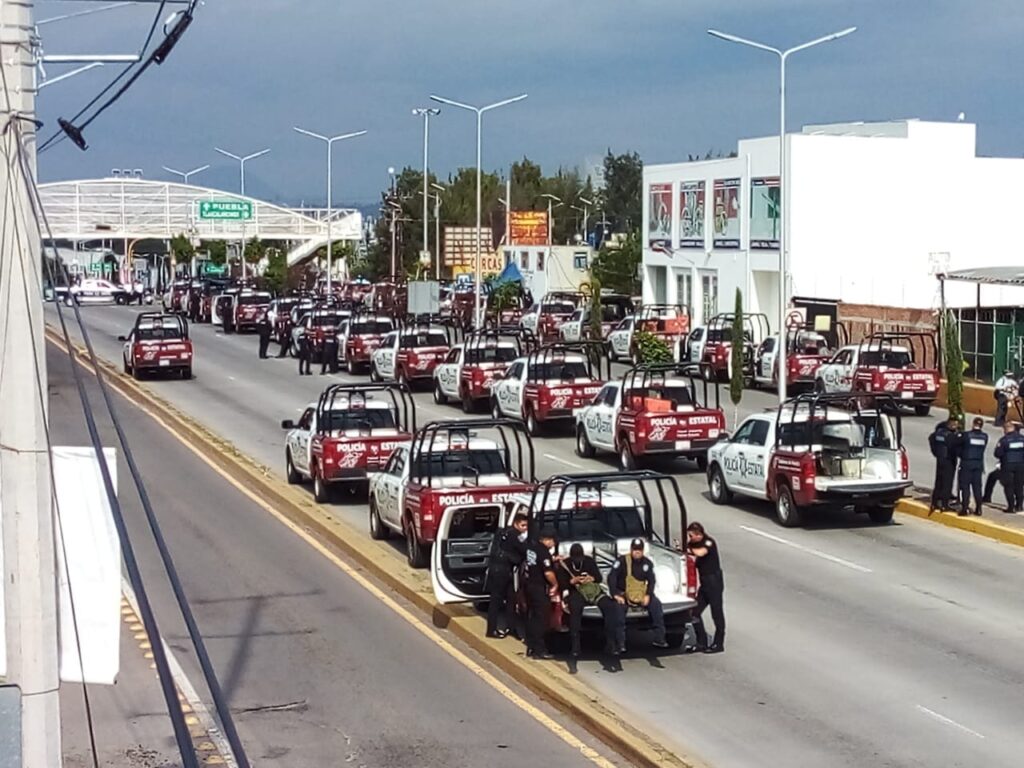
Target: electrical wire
209 674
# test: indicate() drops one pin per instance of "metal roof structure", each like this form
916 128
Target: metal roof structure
988 275
118 208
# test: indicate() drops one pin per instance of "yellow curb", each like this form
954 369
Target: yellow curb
137 627
631 738
970 523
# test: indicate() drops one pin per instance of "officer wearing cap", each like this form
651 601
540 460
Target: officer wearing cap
538 580
632 585
971 452
942 443
1010 452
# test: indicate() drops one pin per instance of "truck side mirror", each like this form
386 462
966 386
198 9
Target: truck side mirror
122 338
287 424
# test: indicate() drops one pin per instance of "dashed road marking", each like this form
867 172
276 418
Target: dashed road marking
808 550
559 459
948 721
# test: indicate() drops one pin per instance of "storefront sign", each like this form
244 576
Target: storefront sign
727 213
691 214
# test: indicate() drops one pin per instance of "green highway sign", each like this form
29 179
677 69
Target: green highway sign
231 210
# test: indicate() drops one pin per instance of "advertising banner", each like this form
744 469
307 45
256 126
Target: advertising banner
727 213
528 228
691 214
764 213
659 216
460 245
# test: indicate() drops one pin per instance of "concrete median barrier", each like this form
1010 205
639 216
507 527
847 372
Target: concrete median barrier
971 523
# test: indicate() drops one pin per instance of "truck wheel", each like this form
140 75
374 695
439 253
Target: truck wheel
717 487
124 362
378 530
186 372
675 640
881 514
136 373
321 490
787 512
415 553
626 458
532 425
374 374
403 379
350 366
468 403
923 409
439 397
291 474
819 386
584 448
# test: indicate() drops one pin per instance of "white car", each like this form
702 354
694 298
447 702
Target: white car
409 355
92 291
468 371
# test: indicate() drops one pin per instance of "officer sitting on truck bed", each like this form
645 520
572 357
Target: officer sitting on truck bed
632 585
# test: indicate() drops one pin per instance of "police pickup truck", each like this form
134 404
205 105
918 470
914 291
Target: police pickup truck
667 322
359 337
448 463
603 512
468 371
347 435
158 342
410 355
813 453
654 410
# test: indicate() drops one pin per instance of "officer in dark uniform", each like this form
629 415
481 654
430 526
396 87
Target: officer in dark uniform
942 443
538 579
329 353
263 330
305 355
580 580
712 586
632 584
507 552
971 452
1010 452
285 335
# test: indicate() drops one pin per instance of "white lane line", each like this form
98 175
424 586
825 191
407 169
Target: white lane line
559 459
808 550
948 721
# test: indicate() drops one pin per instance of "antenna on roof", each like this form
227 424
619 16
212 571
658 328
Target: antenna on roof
961 117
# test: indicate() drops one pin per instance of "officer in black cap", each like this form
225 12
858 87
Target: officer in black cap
539 580
971 452
632 584
942 443
263 329
1010 452
507 552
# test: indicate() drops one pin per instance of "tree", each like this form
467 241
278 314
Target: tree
616 265
595 307
954 366
276 273
738 348
182 249
254 250
621 198
217 250
650 349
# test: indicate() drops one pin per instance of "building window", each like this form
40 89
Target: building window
524 259
684 289
709 294
579 262
508 258
540 261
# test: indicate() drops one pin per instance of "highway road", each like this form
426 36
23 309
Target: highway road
319 670
896 645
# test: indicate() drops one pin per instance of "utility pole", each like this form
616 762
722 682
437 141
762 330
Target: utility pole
29 555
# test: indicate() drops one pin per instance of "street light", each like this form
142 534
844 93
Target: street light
479 175
437 224
551 199
185 174
426 113
586 212
329 141
783 55
241 167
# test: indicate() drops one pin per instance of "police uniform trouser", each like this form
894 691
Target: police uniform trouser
712 589
264 342
609 614
304 355
991 479
657 615
538 609
502 601
970 481
286 345
1013 485
328 357
942 489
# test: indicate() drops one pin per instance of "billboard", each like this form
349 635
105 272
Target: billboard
691 214
659 215
764 213
727 213
460 245
528 228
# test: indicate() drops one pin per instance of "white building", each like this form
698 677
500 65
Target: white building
550 267
873 212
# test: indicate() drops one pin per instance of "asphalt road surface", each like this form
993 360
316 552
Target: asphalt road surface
318 671
849 643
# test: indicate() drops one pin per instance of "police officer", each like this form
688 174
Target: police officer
263 329
632 585
305 355
942 443
285 335
580 580
329 354
507 552
1010 452
539 579
712 586
971 452
1006 390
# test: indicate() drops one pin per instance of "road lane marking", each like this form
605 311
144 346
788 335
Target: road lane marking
808 550
231 377
572 464
948 721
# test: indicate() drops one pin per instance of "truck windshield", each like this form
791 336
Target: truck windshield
361 418
370 327
488 461
322 321
557 308
594 523
427 339
566 370
886 358
490 355
151 333
248 301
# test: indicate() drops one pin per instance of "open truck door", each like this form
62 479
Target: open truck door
461 551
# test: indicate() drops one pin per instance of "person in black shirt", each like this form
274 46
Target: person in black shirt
580 580
539 578
632 585
305 355
1010 452
263 329
971 453
507 552
329 354
285 336
712 586
942 442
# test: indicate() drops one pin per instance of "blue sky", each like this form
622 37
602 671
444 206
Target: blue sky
622 74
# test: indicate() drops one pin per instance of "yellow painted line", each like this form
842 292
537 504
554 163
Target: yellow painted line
970 523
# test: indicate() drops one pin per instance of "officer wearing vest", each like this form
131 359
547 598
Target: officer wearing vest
632 585
942 442
305 355
263 329
507 552
1010 452
971 452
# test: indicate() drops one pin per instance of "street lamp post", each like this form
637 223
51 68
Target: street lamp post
437 226
426 113
241 167
783 55
586 213
186 174
551 226
329 141
479 176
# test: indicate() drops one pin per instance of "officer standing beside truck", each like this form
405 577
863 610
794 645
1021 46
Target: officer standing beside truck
263 330
942 442
507 552
971 453
539 577
1010 452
